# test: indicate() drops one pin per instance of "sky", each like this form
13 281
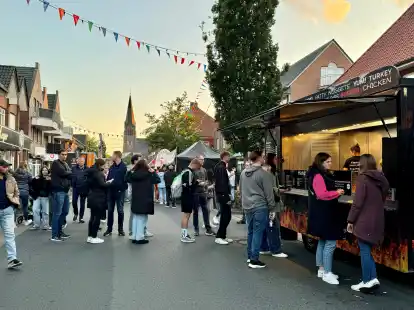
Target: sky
95 75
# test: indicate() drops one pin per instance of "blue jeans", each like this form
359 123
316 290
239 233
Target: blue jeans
200 201
7 225
369 271
116 198
41 212
75 196
60 211
257 221
271 238
24 202
324 254
162 193
139 223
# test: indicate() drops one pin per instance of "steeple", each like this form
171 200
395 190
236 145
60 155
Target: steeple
130 118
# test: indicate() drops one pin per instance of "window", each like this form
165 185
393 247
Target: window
330 74
12 121
2 117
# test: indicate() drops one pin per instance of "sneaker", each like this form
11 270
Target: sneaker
56 239
48 228
196 233
221 241
280 255
64 226
75 217
81 221
142 241
89 239
330 278
166 206
34 227
321 272
103 221
174 207
27 223
229 240
248 260
64 236
96 240
209 232
121 233
265 252
148 234
241 222
187 239
14 263
256 264
161 203
107 233
366 288
216 220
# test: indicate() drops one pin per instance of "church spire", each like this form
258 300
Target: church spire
130 118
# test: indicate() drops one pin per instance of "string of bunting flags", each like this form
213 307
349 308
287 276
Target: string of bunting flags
176 55
83 130
192 107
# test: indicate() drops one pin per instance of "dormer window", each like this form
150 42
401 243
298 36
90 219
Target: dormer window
330 74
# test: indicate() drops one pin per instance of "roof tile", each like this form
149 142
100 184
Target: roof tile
393 47
51 100
29 74
6 74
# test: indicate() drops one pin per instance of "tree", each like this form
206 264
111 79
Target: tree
173 128
242 66
92 145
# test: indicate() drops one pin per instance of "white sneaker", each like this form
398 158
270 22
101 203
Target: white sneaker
148 234
330 278
216 220
28 222
161 203
280 255
221 241
34 227
96 240
229 240
89 240
265 252
321 272
103 221
366 287
248 261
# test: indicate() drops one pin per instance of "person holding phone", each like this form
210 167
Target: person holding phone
324 220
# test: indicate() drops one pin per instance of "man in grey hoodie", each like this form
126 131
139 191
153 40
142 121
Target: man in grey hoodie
258 202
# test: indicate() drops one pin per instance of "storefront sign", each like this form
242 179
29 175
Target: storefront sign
14 139
365 85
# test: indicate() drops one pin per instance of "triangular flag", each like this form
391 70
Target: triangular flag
182 60
104 31
61 13
90 24
205 68
127 40
45 5
116 36
139 45
191 62
148 47
168 54
75 19
175 58
28 2
158 51
198 66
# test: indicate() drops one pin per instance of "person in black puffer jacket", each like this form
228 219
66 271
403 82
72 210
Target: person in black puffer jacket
40 192
23 179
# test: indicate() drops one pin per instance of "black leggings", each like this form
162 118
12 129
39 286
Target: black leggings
94 221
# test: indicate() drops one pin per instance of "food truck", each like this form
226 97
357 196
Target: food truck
376 111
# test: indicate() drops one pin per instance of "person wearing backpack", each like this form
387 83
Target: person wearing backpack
189 186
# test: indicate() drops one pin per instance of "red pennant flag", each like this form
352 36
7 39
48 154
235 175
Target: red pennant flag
139 45
191 62
75 19
198 66
61 13
127 40
175 58
182 60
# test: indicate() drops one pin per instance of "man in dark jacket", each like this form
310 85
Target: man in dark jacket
116 193
223 193
79 189
61 176
169 177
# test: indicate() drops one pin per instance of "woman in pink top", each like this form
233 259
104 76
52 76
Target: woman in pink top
324 220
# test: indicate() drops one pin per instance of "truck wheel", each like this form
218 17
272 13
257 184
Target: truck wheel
310 243
287 234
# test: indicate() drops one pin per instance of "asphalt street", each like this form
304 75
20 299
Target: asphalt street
166 274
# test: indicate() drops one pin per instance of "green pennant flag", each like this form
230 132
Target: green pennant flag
148 47
90 25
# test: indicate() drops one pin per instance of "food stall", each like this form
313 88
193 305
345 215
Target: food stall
376 112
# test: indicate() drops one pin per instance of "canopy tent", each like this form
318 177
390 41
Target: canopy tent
199 149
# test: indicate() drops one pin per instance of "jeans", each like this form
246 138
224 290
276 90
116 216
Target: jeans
7 225
60 211
369 271
75 198
116 198
139 223
324 254
41 212
170 198
257 220
94 221
162 195
200 200
271 240
24 202
225 218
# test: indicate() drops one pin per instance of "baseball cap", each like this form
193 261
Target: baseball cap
4 163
